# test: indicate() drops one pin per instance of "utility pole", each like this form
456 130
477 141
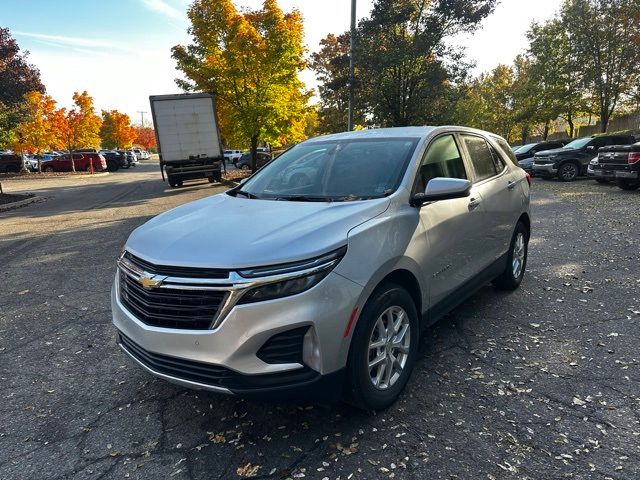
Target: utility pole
351 66
142 117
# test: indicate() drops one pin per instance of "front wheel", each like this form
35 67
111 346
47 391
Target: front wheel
383 348
48 169
516 260
568 172
628 184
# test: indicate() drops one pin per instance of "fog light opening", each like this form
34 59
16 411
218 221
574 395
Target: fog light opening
311 350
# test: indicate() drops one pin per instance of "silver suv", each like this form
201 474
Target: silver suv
346 248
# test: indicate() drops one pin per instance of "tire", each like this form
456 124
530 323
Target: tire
568 172
386 304
602 180
244 166
513 274
175 183
48 169
628 185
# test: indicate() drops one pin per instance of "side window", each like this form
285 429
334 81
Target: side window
497 160
481 157
599 142
442 159
507 150
77 156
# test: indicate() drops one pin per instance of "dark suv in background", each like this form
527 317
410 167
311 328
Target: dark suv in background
572 160
620 163
525 153
10 163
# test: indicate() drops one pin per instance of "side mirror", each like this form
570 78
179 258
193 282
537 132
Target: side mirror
441 188
590 148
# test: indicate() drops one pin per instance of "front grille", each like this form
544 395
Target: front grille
171 271
170 307
213 375
285 347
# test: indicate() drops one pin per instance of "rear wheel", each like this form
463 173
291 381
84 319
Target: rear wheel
628 184
516 260
48 169
568 172
383 348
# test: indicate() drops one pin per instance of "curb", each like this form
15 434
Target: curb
53 177
20 203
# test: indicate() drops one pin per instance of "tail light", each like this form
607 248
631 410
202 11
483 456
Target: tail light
529 179
634 158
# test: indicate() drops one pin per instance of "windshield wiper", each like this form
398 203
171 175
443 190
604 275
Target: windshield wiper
246 194
303 198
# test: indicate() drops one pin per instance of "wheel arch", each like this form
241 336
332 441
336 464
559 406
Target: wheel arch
524 218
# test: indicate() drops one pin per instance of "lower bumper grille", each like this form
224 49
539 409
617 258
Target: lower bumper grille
285 347
213 375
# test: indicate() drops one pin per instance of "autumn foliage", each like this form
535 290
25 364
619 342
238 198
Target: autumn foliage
145 137
116 130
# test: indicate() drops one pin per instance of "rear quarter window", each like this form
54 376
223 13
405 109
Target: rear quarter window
505 149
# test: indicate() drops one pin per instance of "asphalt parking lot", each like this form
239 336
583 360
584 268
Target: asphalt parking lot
541 383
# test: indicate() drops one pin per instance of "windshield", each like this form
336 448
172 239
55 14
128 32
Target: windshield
334 170
578 142
525 148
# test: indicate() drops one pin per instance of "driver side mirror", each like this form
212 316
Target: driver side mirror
590 148
442 188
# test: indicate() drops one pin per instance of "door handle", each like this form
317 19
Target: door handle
473 204
511 185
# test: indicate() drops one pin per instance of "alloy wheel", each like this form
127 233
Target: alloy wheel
519 252
388 350
569 171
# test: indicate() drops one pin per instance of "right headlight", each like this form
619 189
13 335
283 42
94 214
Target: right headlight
291 278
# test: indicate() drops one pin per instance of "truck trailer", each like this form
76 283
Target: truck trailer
188 137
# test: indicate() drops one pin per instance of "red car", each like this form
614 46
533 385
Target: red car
82 163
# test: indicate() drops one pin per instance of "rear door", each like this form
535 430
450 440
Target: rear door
499 191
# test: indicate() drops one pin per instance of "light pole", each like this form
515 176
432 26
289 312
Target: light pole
141 117
351 67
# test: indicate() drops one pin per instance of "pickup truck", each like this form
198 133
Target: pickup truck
572 160
620 163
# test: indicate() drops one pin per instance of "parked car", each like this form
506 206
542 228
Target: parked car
10 162
131 159
620 163
115 160
244 163
525 153
140 153
81 161
330 284
232 155
572 160
30 162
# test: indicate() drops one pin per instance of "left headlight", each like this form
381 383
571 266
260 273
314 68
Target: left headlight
289 279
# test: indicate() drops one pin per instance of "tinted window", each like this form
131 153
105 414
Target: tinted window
481 157
442 159
504 146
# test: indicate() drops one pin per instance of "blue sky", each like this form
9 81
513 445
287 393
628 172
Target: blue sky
119 50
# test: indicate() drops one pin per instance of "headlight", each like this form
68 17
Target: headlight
291 278
594 161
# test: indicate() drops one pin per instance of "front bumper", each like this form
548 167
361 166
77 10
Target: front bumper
233 345
547 169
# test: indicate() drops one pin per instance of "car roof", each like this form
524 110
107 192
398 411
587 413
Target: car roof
399 132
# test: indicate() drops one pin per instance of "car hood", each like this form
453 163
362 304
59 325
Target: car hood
235 232
554 151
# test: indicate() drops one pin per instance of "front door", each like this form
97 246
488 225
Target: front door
452 226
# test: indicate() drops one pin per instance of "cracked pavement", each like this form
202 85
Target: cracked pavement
541 383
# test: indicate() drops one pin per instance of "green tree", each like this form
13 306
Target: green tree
605 37
250 61
406 72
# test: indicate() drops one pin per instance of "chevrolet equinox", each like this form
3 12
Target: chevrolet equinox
345 248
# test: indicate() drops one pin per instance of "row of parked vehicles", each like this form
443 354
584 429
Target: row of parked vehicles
82 160
242 160
604 157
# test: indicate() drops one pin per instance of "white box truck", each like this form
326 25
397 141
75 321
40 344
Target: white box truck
188 137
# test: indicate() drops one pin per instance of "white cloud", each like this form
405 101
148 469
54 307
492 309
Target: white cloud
162 7
66 41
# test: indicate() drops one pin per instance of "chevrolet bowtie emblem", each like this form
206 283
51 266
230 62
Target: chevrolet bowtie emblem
150 282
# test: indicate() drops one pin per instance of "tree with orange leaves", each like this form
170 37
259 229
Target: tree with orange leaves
250 61
116 130
145 137
80 126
